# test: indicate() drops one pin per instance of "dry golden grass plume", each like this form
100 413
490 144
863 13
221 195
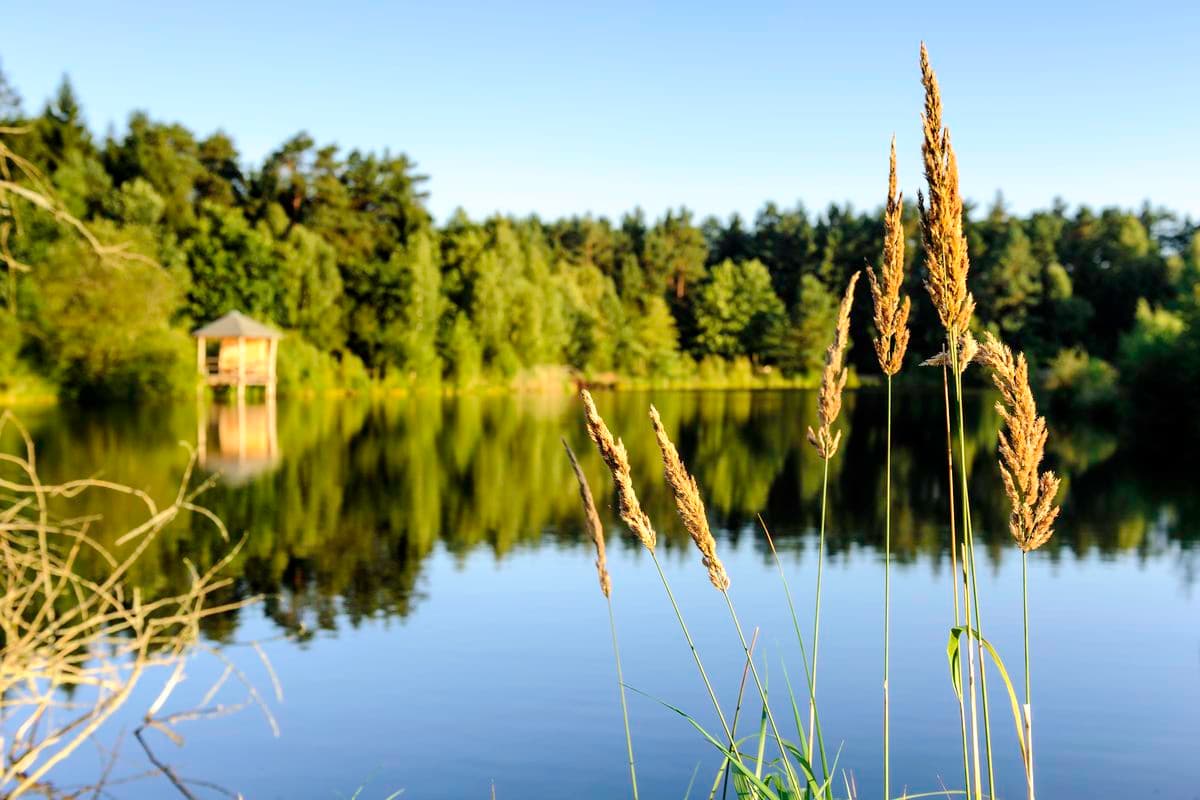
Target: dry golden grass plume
833 380
689 503
967 349
891 314
614 455
592 518
1021 448
946 260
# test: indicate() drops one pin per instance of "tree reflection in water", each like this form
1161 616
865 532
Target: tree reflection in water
355 494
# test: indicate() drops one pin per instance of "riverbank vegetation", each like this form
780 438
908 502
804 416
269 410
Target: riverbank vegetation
339 248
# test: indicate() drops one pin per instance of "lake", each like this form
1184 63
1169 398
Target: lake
432 611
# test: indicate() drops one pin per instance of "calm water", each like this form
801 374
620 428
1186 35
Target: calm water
435 622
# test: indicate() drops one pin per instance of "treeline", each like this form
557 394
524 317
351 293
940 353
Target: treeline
340 249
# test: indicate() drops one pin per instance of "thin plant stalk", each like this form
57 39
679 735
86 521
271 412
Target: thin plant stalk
887 595
1028 710
812 704
787 591
950 486
696 655
737 712
762 693
970 568
962 713
596 530
612 624
971 685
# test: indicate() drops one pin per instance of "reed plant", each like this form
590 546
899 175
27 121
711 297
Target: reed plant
891 343
826 441
947 264
595 529
942 359
690 506
629 508
1031 493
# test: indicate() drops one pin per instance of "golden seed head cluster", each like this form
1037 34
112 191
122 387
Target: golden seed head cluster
891 314
617 460
833 380
946 261
1022 446
592 519
689 504
967 349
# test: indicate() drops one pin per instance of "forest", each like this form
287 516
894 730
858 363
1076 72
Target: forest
339 249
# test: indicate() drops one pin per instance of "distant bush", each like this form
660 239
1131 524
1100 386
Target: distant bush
302 368
10 342
18 379
1159 360
104 331
1081 382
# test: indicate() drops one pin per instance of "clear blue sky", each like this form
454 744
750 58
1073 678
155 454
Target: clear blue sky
560 107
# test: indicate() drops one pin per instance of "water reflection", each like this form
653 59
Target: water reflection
343 501
237 441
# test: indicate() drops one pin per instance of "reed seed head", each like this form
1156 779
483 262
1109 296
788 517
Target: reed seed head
592 519
690 504
967 349
946 260
891 314
833 380
1022 446
617 460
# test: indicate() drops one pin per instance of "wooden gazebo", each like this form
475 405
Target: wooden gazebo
245 355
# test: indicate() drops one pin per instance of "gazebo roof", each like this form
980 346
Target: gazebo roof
236 324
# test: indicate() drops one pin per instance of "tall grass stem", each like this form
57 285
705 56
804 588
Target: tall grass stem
696 655
612 624
812 705
962 712
969 564
1028 702
887 600
762 693
787 591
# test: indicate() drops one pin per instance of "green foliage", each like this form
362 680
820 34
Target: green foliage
1082 382
813 317
340 249
105 328
1159 362
303 368
738 312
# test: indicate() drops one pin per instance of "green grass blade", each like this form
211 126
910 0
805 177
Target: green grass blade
955 633
736 764
692 782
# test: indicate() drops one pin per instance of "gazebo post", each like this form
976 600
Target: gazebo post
201 430
272 350
202 356
241 372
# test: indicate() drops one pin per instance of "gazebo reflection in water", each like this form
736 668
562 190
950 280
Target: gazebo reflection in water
236 438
